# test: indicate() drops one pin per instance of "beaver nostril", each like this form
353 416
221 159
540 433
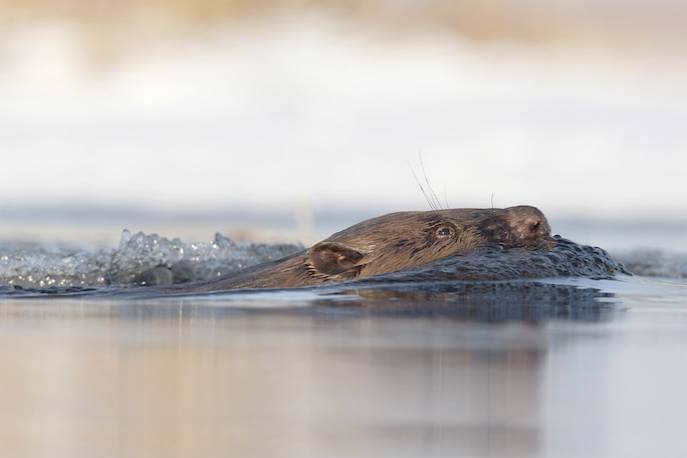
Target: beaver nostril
535 227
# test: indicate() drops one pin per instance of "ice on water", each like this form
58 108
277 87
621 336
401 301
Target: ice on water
39 266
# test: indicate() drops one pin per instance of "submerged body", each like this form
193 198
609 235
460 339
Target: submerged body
394 242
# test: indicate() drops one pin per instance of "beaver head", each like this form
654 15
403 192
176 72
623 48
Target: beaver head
393 242
399 240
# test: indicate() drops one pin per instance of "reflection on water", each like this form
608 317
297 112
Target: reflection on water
259 386
213 376
489 302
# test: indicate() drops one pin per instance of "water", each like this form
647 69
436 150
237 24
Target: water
561 366
322 375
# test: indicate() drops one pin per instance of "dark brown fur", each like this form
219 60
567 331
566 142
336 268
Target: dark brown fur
393 242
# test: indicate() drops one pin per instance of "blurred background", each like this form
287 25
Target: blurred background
286 120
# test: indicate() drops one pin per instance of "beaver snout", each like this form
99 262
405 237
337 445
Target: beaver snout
529 227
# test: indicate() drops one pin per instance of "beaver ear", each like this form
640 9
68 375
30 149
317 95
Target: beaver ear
331 258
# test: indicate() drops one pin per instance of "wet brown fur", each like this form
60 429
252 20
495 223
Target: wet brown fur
393 242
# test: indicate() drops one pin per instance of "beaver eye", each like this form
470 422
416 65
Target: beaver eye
534 227
445 232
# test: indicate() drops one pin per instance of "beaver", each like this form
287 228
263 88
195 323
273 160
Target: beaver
393 242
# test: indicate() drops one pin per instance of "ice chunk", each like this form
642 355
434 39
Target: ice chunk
139 259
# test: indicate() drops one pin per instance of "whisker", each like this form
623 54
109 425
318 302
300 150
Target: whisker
433 194
424 193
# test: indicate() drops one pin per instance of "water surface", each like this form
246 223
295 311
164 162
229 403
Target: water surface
330 373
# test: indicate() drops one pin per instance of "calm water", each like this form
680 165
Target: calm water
333 373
